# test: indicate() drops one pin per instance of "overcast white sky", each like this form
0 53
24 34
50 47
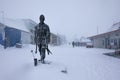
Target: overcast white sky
73 18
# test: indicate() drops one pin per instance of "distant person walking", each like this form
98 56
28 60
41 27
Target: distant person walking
73 44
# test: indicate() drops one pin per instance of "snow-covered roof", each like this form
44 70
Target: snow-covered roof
15 23
115 26
114 29
107 33
83 39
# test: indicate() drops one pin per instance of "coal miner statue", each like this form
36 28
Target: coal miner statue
42 38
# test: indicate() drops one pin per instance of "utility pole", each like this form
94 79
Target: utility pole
97 30
3 18
4 35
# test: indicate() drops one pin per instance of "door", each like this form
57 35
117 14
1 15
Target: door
107 42
119 43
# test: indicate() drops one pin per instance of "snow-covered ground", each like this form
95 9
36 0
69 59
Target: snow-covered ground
80 62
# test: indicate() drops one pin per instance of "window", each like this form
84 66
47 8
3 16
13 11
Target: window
115 42
103 42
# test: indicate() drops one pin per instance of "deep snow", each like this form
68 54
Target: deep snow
81 63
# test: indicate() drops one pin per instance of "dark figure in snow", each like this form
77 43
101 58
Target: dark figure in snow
42 37
73 44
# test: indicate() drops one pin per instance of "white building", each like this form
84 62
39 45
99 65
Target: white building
25 26
110 39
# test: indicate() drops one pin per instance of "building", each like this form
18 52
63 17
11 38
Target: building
14 31
57 39
30 25
83 41
109 40
54 40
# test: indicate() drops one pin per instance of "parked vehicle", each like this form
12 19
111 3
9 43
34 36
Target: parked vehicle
89 45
